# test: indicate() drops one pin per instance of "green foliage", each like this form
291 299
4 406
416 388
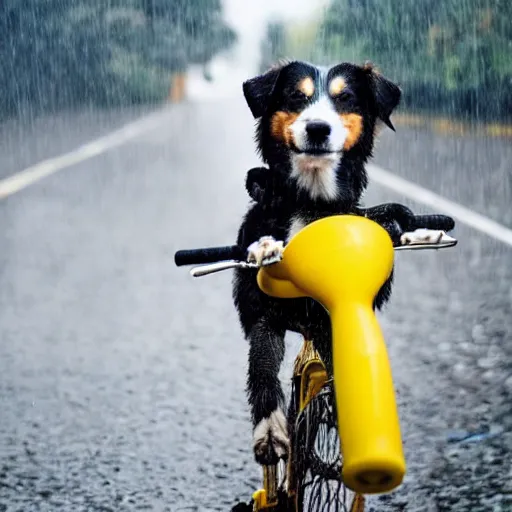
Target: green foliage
60 53
453 55
186 31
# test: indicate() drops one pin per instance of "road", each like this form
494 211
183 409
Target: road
122 379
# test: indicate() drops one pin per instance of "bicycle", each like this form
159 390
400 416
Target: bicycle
344 432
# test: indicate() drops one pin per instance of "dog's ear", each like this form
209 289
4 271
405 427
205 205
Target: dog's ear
387 95
258 91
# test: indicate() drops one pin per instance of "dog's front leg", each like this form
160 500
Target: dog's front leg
266 396
396 219
393 217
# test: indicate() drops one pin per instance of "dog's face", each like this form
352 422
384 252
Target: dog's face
312 118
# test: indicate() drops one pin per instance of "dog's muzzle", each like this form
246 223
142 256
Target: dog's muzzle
318 136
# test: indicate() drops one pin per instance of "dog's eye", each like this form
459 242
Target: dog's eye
297 95
344 96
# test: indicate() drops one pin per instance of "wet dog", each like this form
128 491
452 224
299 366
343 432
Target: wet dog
315 131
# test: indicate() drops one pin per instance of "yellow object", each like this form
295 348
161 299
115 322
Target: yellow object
358 503
177 90
342 261
313 379
266 498
260 499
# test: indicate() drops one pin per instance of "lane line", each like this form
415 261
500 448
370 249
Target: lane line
35 173
440 204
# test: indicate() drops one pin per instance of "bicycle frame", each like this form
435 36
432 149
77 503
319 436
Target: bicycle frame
312 376
342 262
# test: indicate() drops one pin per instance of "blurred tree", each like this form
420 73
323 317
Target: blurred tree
452 54
58 53
186 31
273 45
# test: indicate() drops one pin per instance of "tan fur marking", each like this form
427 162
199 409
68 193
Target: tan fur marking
307 86
280 126
337 85
354 125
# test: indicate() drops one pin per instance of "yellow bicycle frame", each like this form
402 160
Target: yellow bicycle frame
342 262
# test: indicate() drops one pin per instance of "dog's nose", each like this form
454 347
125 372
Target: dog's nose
318 131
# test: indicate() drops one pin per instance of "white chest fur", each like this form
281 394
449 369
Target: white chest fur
296 224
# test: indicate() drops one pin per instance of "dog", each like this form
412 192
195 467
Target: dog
315 132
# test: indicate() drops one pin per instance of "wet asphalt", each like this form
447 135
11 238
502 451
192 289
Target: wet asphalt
122 378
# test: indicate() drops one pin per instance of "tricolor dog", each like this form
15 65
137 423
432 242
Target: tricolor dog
315 132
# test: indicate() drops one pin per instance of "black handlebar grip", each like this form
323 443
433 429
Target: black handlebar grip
442 222
208 255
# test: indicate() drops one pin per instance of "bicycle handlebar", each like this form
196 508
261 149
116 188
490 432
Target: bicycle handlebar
208 255
228 255
433 221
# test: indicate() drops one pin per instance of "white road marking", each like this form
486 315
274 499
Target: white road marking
34 173
440 204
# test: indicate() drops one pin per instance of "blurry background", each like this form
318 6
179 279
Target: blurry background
62 53
452 57
121 378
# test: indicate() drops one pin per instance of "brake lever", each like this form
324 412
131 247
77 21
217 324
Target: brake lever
219 266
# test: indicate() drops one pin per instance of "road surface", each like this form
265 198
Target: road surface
122 378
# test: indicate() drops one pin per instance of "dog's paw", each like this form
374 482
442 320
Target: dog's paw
265 251
270 440
422 236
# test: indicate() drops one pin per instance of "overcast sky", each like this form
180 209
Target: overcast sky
249 18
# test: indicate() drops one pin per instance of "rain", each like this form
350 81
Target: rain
125 136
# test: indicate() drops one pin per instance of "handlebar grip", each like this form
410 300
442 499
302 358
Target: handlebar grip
442 222
208 255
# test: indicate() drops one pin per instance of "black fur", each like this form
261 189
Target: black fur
278 199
